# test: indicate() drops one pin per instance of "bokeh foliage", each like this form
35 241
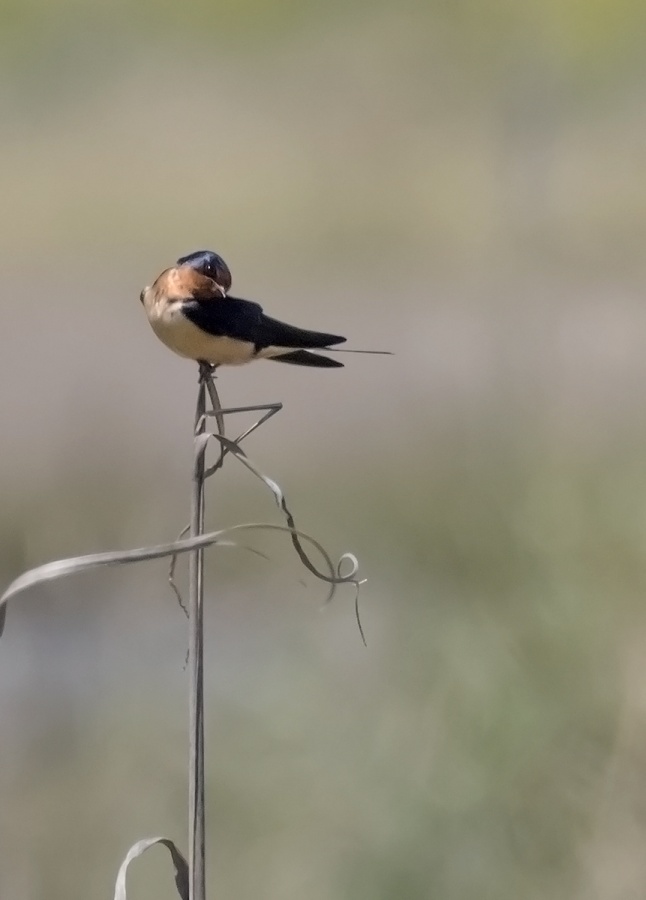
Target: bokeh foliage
464 184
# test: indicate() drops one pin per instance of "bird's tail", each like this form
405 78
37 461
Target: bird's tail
304 358
352 350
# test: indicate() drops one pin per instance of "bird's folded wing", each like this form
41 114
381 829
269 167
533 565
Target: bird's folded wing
282 335
225 316
244 320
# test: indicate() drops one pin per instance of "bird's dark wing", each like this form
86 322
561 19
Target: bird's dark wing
228 316
279 334
245 321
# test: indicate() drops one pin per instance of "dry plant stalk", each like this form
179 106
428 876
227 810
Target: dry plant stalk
196 789
190 878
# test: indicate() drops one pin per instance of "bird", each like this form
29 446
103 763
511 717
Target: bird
191 311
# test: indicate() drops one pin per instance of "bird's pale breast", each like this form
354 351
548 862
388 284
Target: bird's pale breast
186 339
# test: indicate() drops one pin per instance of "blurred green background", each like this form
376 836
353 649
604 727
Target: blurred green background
463 183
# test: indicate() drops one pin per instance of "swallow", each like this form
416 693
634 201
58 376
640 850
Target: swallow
191 311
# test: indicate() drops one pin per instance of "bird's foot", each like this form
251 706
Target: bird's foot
207 370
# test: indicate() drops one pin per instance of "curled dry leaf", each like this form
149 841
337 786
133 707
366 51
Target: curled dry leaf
333 577
179 863
64 567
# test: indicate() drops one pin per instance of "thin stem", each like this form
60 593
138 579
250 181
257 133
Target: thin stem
196 838
215 401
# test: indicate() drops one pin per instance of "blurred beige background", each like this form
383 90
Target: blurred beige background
462 183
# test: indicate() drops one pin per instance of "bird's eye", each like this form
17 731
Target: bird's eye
141 296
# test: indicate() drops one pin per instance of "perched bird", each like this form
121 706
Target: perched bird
191 311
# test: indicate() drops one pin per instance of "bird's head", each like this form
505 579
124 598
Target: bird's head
208 263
